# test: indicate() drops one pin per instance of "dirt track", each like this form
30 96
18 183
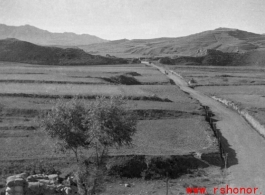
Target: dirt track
245 147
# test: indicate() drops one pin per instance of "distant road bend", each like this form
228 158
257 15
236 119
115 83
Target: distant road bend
248 145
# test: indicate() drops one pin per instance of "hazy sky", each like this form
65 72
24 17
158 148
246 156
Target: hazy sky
118 19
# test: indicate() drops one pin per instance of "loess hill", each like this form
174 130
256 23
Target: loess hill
218 58
233 46
13 50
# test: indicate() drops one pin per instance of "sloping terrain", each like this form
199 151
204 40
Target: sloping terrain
219 58
13 50
44 37
223 39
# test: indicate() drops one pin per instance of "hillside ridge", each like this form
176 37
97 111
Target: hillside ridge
223 39
43 37
14 50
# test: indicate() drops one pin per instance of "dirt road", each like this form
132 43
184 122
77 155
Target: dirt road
246 152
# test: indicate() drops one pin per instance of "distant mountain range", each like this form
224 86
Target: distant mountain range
14 50
44 37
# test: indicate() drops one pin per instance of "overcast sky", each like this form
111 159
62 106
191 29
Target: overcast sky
118 19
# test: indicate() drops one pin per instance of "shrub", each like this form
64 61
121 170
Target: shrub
97 126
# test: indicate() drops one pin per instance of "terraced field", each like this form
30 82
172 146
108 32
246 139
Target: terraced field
26 73
170 122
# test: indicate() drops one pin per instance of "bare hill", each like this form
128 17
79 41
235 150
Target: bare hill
222 39
219 58
13 50
43 37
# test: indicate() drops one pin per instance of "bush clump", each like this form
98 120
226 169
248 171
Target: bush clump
130 167
123 80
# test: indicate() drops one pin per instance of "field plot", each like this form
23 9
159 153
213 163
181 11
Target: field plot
173 127
46 78
169 137
70 89
223 76
154 137
165 131
243 85
25 73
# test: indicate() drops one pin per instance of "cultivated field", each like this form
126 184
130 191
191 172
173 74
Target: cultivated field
19 73
170 122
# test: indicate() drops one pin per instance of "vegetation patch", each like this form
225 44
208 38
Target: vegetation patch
122 80
49 82
19 112
147 98
161 114
212 57
130 166
127 166
188 60
153 167
133 74
18 127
